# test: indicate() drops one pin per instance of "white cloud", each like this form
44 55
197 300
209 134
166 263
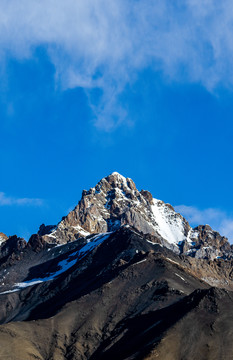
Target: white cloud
104 44
219 220
8 200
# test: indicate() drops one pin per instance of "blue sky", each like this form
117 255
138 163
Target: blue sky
139 87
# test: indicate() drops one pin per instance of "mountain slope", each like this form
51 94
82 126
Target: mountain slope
122 289
122 276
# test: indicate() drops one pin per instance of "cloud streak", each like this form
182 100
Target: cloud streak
105 44
9 201
217 219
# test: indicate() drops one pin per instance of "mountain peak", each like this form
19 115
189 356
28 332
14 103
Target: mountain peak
115 202
3 237
115 173
117 180
109 183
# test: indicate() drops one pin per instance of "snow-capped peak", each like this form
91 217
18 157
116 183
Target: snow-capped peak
115 173
115 202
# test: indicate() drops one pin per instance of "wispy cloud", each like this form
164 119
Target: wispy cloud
8 201
105 44
219 220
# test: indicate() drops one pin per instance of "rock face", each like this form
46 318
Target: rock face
209 244
10 250
3 237
115 202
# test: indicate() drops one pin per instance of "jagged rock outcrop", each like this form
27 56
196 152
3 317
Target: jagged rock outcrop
43 230
115 202
209 244
37 243
11 249
3 237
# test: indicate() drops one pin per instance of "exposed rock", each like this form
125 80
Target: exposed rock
10 250
115 202
37 243
43 230
147 195
208 244
3 237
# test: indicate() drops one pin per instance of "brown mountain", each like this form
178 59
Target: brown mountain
122 276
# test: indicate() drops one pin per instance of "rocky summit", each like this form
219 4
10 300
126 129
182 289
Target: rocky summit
122 276
115 202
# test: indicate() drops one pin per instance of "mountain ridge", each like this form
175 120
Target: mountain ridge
115 201
122 276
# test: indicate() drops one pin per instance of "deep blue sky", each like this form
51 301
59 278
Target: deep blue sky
160 113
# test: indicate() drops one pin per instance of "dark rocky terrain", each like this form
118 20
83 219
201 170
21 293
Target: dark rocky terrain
122 276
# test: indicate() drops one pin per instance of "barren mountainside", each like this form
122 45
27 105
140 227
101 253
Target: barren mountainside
122 276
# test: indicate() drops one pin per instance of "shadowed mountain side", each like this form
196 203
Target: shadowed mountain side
205 333
121 279
195 327
114 257
144 332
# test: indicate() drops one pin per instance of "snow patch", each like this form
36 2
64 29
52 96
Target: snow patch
180 277
168 223
81 230
52 234
139 262
194 234
54 247
151 242
64 265
174 262
2 239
